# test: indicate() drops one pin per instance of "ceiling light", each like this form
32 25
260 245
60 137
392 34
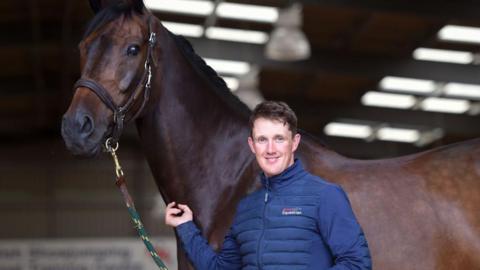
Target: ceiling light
247 12
460 33
388 100
348 130
227 66
189 30
231 82
438 55
287 41
407 85
398 134
445 105
230 34
196 7
462 90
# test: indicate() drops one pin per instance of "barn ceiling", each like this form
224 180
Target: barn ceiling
354 44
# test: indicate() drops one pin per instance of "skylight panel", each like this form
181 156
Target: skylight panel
228 66
445 105
439 55
247 12
398 134
348 130
407 85
189 30
464 90
379 99
237 35
382 131
232 83
196 7
460 33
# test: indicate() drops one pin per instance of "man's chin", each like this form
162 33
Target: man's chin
269 171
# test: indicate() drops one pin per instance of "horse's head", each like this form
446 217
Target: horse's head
116 55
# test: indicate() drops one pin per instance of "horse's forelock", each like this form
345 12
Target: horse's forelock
127 6
111 12
98 5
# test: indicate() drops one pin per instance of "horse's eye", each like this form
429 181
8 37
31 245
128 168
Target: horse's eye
133 50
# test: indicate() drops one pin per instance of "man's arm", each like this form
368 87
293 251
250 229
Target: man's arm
342 233
196 246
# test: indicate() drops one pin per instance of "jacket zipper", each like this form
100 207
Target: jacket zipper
260 239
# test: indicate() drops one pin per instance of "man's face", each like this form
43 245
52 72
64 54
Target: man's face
273 145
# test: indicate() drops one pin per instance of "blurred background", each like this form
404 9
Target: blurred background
373 79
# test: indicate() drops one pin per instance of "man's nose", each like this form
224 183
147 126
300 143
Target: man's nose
271 147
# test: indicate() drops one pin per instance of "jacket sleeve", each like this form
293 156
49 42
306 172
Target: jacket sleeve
342 233
202 256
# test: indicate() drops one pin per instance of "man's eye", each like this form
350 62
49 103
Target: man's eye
261 140
279 139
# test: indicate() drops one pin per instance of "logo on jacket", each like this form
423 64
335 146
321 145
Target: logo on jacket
292 211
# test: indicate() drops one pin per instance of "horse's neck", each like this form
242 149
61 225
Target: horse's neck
196 144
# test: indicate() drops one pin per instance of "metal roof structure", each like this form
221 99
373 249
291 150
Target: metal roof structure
355 46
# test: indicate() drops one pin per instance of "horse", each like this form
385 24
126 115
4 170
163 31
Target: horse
420 211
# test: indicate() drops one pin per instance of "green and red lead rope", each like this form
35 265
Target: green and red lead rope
121 184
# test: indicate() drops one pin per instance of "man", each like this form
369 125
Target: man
296 221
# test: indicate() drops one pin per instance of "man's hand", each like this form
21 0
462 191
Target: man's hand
176 214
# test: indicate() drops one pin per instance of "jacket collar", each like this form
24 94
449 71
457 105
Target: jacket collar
288 176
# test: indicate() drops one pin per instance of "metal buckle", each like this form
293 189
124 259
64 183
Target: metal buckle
111 145
152 39
149 77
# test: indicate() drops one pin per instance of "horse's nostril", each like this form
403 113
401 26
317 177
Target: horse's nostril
86 125
63 127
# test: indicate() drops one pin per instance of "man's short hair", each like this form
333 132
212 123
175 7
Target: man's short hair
275 110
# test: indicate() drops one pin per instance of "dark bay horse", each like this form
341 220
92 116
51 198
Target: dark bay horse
420 211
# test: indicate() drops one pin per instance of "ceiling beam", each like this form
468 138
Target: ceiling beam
374 67
361 149
440 9
452 124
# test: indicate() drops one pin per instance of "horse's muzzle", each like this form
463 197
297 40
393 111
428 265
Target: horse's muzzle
77 132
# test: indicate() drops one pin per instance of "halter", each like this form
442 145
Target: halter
119 112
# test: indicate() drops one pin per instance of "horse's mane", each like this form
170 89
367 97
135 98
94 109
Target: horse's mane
219 85
314 138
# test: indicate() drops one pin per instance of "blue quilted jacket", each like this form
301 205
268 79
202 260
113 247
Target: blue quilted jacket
296 221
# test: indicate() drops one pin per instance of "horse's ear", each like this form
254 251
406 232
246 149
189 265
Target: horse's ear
137 5
98 5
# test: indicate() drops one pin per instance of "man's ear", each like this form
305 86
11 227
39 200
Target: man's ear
250 143
296 141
